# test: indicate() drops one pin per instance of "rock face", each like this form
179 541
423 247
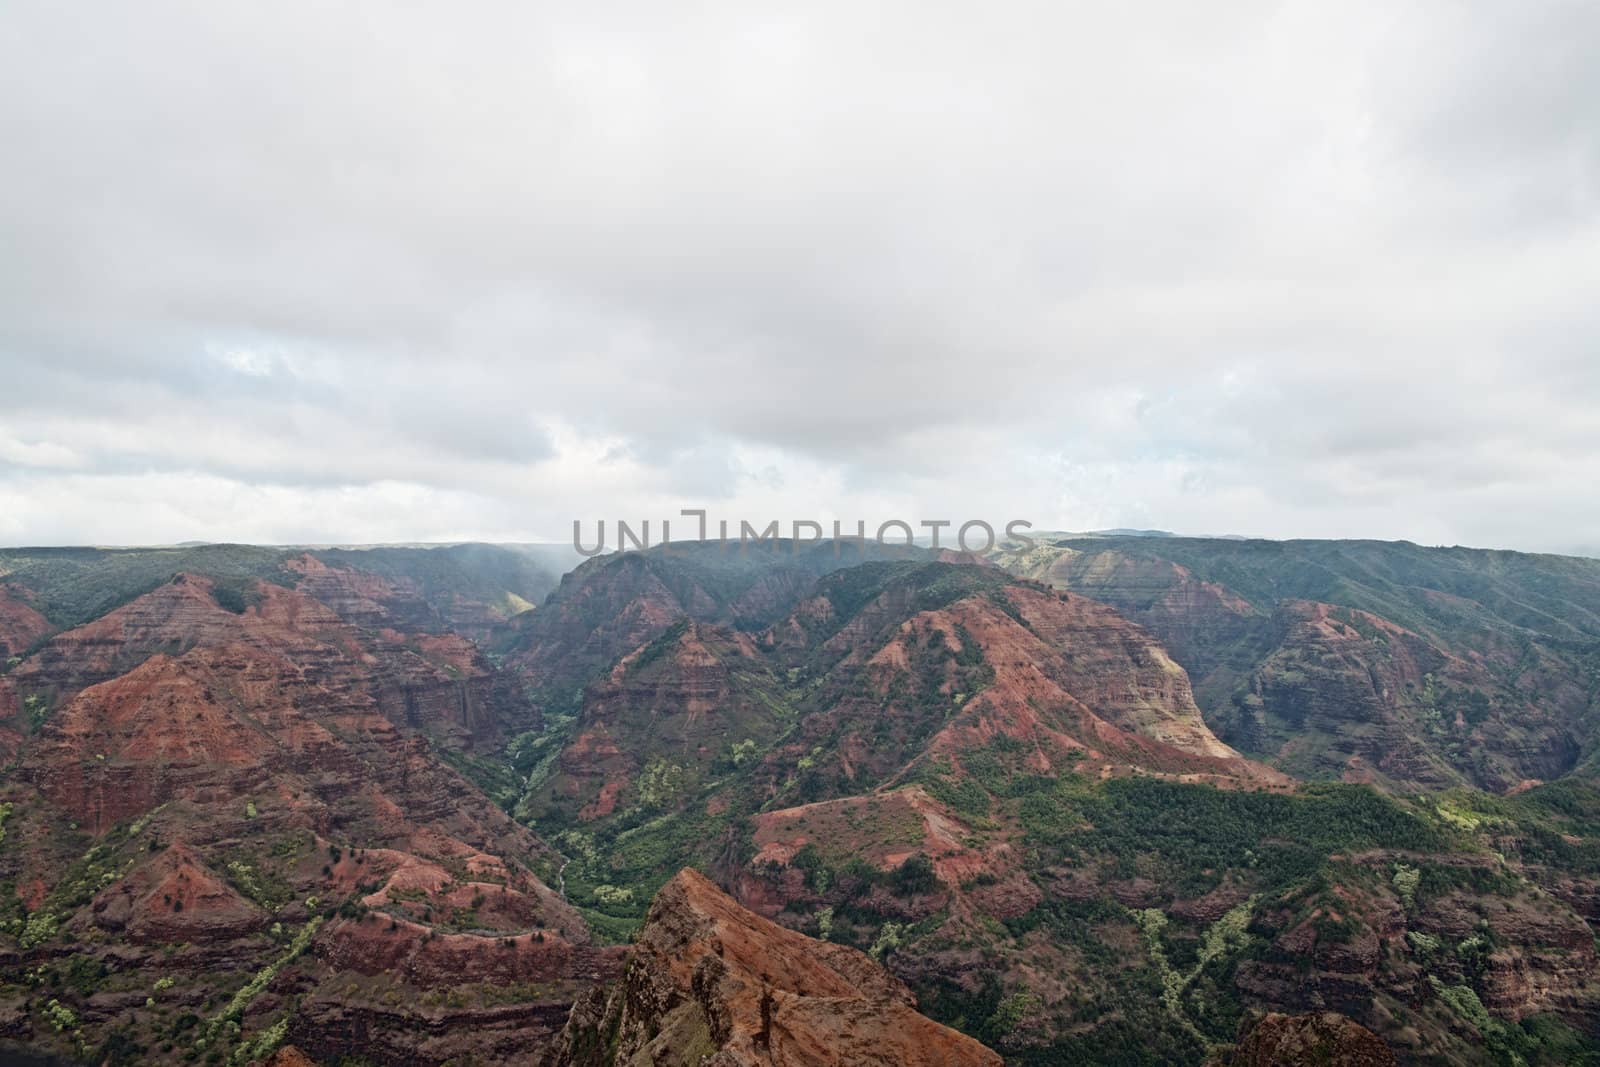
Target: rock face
437 683
217 781
289 1056
1348 693
711 983
670 710
177 898
1071 653
462 589
1366 661
20 623
1311 1040
220 727
614 604
930 662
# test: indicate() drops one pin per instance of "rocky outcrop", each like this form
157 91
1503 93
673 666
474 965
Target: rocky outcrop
1066 677
359 597
289 1056
177 898
1203 624
1113 667
1544 956
402 1033
1310 1040
711 983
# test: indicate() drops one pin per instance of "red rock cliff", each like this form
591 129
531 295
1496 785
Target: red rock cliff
711 983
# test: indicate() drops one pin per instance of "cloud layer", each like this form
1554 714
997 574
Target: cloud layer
311 272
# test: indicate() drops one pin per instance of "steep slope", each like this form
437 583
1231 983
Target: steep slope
885 675
863 736
1317 1037
613 604
438 683
709 982
228 796
466 587
20 623
919 662
1140 919
1376 661
1347 692
463 589
666 718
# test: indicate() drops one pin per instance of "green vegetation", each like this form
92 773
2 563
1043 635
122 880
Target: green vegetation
1011 1011
889 939
261 881
496 775
60 1016
1189 835
1407 880
1227 935
1550 595
1507 620
658 648
37 708
230 1015
74 585
237 595
264 1045
660 784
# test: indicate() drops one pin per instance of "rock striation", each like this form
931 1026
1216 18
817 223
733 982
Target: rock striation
20 623
1326 1037
711 983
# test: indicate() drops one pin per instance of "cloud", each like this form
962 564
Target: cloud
365 272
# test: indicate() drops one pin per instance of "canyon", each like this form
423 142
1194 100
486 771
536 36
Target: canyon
1089 799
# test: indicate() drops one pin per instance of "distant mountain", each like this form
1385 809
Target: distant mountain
614 603
452 586
1365 660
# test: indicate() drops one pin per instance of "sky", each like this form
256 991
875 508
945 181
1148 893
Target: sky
351 272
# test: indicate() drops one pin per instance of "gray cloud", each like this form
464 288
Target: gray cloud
365 272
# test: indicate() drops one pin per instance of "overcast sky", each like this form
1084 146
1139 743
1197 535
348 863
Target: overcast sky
359 272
